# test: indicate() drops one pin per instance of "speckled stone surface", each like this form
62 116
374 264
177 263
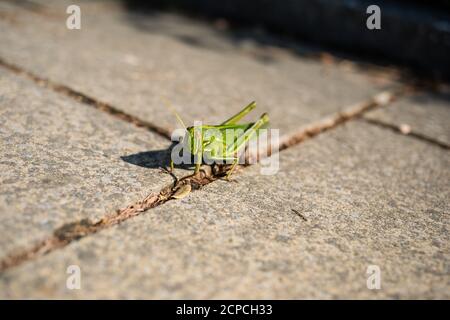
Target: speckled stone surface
370 197
426 113
131 61
62 161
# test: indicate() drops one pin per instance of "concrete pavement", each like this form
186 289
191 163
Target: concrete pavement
364 193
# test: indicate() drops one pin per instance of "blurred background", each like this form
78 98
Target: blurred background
413 34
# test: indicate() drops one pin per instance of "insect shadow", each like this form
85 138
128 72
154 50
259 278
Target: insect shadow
155 159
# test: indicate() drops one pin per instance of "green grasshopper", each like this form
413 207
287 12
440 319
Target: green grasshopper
200 142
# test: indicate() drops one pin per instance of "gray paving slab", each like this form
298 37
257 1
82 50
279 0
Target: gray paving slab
369 196
132 60
427 114
62 161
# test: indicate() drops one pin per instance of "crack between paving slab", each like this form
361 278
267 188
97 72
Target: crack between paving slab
356 111
412 134
85 99
79 229
73 231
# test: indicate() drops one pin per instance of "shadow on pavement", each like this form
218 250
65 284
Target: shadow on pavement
229 34
154 159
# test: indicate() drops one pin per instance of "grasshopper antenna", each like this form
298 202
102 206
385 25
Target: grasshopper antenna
172 109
